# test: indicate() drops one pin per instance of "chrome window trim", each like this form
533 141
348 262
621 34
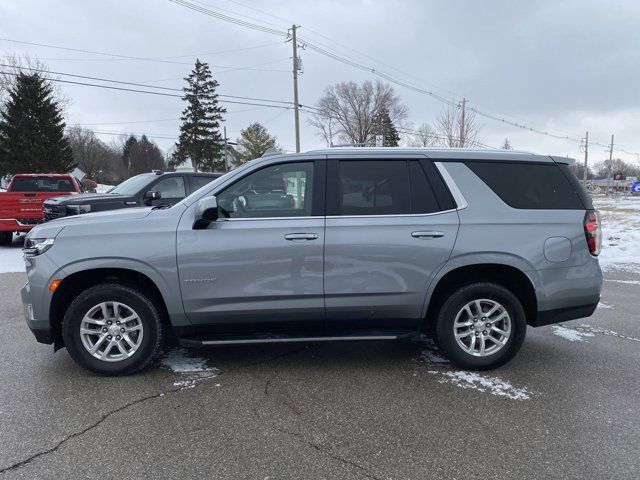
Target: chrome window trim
400 215
461 202
253 219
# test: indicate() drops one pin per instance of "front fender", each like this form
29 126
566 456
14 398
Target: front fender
166 280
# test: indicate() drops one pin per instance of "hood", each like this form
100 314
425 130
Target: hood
84 198
52 228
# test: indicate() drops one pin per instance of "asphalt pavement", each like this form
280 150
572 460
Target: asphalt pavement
566 407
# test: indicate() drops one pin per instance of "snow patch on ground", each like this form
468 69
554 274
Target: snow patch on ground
11 257
194 369
620 234
178 360
570 334
604 306
602 331
431 355
475 381
628 282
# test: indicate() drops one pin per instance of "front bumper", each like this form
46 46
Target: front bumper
40 328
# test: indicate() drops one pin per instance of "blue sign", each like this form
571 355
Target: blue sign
635 188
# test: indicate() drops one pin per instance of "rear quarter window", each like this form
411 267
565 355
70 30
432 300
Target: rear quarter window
529 185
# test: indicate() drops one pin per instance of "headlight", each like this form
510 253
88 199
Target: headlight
78 209
36 246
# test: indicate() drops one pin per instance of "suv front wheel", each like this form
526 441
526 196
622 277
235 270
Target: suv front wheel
112 329
481 326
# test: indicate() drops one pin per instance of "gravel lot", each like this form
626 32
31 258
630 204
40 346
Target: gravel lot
566 407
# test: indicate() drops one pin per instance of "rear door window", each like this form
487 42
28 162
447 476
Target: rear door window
376 187
529 185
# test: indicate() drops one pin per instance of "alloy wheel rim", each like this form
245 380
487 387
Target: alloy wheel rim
482 327
111 331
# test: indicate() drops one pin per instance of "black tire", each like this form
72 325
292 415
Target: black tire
106 292
446 316
6 239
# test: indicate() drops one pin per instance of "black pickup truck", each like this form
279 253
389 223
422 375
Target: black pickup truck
146 189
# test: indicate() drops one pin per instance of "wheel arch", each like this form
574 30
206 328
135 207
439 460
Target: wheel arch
508 276
72 285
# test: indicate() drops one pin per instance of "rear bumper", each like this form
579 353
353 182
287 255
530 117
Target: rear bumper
547 317
12 225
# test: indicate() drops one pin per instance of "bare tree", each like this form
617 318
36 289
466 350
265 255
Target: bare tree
326 125
24 63
424 136
453 133
347 110
92 155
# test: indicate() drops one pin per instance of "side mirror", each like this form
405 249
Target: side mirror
151 195
206 212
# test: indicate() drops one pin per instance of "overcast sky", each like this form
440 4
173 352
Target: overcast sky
560 66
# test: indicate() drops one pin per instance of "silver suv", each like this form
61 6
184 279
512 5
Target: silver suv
468 247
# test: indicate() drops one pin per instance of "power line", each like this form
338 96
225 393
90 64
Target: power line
229 19
109 87
159 120
135 84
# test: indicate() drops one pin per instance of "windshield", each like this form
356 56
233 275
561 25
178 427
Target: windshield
133 184
42 184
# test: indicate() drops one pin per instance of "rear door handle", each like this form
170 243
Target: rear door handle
427 234
301 236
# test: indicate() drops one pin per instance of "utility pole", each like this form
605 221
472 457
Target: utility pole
610 160
464 102
296 113
226 163
586 154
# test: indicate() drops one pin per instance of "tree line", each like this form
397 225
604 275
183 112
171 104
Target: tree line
34 137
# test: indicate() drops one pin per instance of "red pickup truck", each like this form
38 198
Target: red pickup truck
21 204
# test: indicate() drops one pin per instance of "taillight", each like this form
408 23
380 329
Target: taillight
593 231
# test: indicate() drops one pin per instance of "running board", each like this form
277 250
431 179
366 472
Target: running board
194 342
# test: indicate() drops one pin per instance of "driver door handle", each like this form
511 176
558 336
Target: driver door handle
301 236
427 234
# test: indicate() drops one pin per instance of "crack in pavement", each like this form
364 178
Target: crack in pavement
105 416
300 436
325 451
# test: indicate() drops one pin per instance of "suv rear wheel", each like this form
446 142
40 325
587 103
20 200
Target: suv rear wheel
112 329
481 326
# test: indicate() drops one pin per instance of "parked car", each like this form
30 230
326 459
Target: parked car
146 189
21 204
467 246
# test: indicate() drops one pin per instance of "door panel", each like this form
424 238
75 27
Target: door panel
246 271
387 235
260 266
377 273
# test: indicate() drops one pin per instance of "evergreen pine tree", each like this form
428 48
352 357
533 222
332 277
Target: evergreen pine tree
254 141
200 138
383 125
32 130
